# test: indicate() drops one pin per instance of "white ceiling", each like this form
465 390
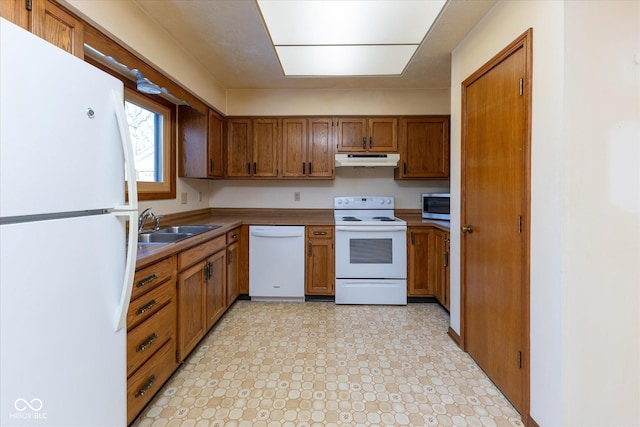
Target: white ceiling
229 39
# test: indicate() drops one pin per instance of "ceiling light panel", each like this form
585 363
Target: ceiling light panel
313 22
347 37
344 60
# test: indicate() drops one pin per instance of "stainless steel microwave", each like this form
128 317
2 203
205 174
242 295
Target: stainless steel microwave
436 206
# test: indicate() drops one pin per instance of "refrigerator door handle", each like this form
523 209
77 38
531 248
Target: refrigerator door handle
130 210
127 148
129 269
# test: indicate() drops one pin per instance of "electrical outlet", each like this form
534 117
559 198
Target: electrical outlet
183 198
296 196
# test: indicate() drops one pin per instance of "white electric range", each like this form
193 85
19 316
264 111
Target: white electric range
371 252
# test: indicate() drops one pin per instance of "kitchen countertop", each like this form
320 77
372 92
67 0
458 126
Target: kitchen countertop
228 219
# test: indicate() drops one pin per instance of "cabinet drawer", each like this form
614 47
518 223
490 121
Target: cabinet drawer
320 232
147 381
147 338
190 256
233 235
150 277
148 304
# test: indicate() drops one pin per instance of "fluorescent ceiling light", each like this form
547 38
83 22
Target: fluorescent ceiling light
345 37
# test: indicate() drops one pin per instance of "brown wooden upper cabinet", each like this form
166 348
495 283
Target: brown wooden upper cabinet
373 134
201 143
252 147
307 148
424 148
48 21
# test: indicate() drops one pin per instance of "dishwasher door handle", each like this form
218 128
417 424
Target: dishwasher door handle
276 234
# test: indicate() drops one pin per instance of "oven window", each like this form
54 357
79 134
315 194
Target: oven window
370 251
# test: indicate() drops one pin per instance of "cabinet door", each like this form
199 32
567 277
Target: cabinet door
57 27
321 162
447 272
420 280
438 265
191 308
16 12
383 135
352 135
233 272
192 131
424 147
239 147
294 148
266 142
215 283
320 267
243 260
215 146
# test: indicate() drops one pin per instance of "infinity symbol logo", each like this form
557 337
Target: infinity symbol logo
22 405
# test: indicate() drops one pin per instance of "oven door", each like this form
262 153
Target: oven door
371 252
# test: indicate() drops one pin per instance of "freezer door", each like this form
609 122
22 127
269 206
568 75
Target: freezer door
60 148
61 361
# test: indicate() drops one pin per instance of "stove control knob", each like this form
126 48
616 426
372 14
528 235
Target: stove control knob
382 201
339 201
388 201
346 201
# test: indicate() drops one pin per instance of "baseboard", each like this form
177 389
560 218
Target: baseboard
531 422
455 337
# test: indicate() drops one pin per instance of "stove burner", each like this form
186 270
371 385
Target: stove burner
350 218
383 218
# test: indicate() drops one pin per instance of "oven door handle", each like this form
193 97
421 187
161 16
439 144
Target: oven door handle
365 228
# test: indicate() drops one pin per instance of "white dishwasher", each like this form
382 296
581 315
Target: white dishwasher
276 263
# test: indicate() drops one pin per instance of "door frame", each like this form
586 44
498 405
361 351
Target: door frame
524 41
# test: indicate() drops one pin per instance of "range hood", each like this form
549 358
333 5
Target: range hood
367 160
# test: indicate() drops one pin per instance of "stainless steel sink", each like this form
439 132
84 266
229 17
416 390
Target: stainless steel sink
174 234
191 229
161 237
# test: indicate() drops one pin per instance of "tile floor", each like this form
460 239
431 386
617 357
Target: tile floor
321 364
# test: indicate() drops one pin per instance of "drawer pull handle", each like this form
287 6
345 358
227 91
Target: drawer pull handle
146 280
319 233
234 236
145 388
146 307
146 343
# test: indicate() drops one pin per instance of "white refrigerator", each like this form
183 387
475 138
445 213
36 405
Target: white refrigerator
66 267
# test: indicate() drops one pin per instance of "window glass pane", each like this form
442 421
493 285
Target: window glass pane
145 127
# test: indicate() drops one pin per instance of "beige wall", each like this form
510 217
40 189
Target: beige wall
585 233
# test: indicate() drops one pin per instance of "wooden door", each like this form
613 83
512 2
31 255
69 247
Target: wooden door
214 146
495 211
352 135
424 147
239 148
191 309
320 148
16 12
421 250
58 27
383 135
266 143
294 148
215 284
233 272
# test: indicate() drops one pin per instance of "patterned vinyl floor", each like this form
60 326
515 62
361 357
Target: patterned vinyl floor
321 364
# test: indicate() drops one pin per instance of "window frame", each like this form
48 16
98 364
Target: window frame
167 188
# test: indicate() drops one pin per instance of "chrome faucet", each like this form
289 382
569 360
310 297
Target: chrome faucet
146 214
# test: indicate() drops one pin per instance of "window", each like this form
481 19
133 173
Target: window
150 126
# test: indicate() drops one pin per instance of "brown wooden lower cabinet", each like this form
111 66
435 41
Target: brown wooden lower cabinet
201 272
441 266
233 265
420 272
151 333
320 264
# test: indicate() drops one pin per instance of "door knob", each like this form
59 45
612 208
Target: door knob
467 228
